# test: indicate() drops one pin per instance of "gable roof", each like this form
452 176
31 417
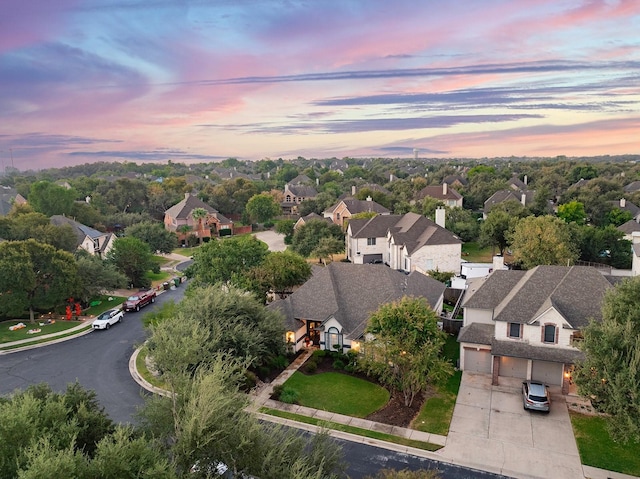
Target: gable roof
81 231
183 209
7 196
501 196
576 292
355 206
415 231
629 227
451 179
632 187
302 190
626 205
438 193
300 180
352 292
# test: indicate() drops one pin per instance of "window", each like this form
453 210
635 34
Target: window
371 241
514 330
333 340
549 333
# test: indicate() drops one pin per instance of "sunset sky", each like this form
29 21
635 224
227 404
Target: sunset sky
202 80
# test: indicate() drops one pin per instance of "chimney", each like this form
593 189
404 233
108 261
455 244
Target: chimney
498 262
523 199
526 180
440 216
623 202
317 181
87 199
369 198
353 190
445 189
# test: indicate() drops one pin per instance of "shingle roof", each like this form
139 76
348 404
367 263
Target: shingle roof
303 191
184 208
415 231
508 195
451 179
300 180
519 349
361 206
520 297
476 333
628 206
437 193
629 227
7 195
632 187
351 292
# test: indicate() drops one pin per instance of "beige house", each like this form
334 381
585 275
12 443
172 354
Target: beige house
89 239
179 219
346 208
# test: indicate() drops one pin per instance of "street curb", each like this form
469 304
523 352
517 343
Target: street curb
37 344
133 370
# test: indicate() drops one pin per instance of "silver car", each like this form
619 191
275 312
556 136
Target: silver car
535 396
106 319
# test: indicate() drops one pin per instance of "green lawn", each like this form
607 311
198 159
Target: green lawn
338 393
158 278
188 252
6 335
106 302
597 449
475 254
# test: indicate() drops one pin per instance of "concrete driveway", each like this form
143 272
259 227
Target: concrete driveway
274 240
491 431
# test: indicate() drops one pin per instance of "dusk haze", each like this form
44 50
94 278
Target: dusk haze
199 81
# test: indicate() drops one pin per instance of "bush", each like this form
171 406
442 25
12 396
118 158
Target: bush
277 391
250 380
279 362
338 364
263 372
320 353
311 366
350 368
289 395
268 224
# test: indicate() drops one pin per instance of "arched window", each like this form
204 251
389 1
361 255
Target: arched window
333 337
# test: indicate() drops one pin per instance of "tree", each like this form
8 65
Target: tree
96 276
308 236
494 231
226 260
132 257
262 208
572 212
406 350
35 276
327 247
50 199
463 223
155 235
540 240
199 214
280 272
285 227
610 372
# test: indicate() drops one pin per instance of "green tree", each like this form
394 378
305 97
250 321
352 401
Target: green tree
494 231
308 236
280 272
95 276
327 247
35 276
406 350
610 372
199 214
463 223
155 235
262 208
50 199
618 217
572 212
133 258
227 260
540 240
285 227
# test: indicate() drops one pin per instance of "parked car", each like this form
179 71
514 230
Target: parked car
535 396
139 300
106 319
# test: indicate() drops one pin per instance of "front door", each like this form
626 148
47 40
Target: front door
313 332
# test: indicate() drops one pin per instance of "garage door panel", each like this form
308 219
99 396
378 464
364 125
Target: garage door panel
547 372
513 367
477 361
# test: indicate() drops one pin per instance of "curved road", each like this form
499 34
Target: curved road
100 361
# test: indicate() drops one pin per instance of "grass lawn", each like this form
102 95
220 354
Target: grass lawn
158 278
473 253
161 260
7 335
105 303
338 393
597 449
141 366
351 429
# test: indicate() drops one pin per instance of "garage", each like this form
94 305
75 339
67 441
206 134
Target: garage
547 372
372 258
477 361
513 367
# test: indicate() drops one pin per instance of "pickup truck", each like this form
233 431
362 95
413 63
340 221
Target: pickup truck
139 300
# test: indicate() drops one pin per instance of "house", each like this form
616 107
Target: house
517 184
455 181
626 205
406 242
332 308
346 208
8 197
450 197
294 195
89 239
180 220
526 324
526 197
311 216
301 180
632 187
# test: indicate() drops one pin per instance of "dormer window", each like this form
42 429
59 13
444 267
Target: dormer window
549 334
515 330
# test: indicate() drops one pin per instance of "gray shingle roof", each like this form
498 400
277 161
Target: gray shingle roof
518 349
184 208
509 195
79 229
355 206
437 193
415 231
632 187
303 191
477 333
520 296
629 227
351 292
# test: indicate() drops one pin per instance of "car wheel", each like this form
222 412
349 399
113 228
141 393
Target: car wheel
107 326
120 319
137 308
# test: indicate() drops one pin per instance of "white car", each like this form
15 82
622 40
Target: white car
106 319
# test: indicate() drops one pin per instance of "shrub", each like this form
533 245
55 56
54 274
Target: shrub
277 391
350 368
250 380
278 362
338 364
289 396
263 372
320 353
311 366
268 224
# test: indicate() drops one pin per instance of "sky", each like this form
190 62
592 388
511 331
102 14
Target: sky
204 80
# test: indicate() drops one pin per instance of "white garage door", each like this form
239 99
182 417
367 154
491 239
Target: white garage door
549 373
513 367
477 361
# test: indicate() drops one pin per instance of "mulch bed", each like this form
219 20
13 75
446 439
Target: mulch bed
394 413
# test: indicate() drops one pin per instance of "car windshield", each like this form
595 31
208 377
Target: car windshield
537 392
132 298
105 315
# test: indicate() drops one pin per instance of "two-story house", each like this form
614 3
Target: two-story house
179 219
525 324
89 239
344 209
294 194
406 242
450 197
